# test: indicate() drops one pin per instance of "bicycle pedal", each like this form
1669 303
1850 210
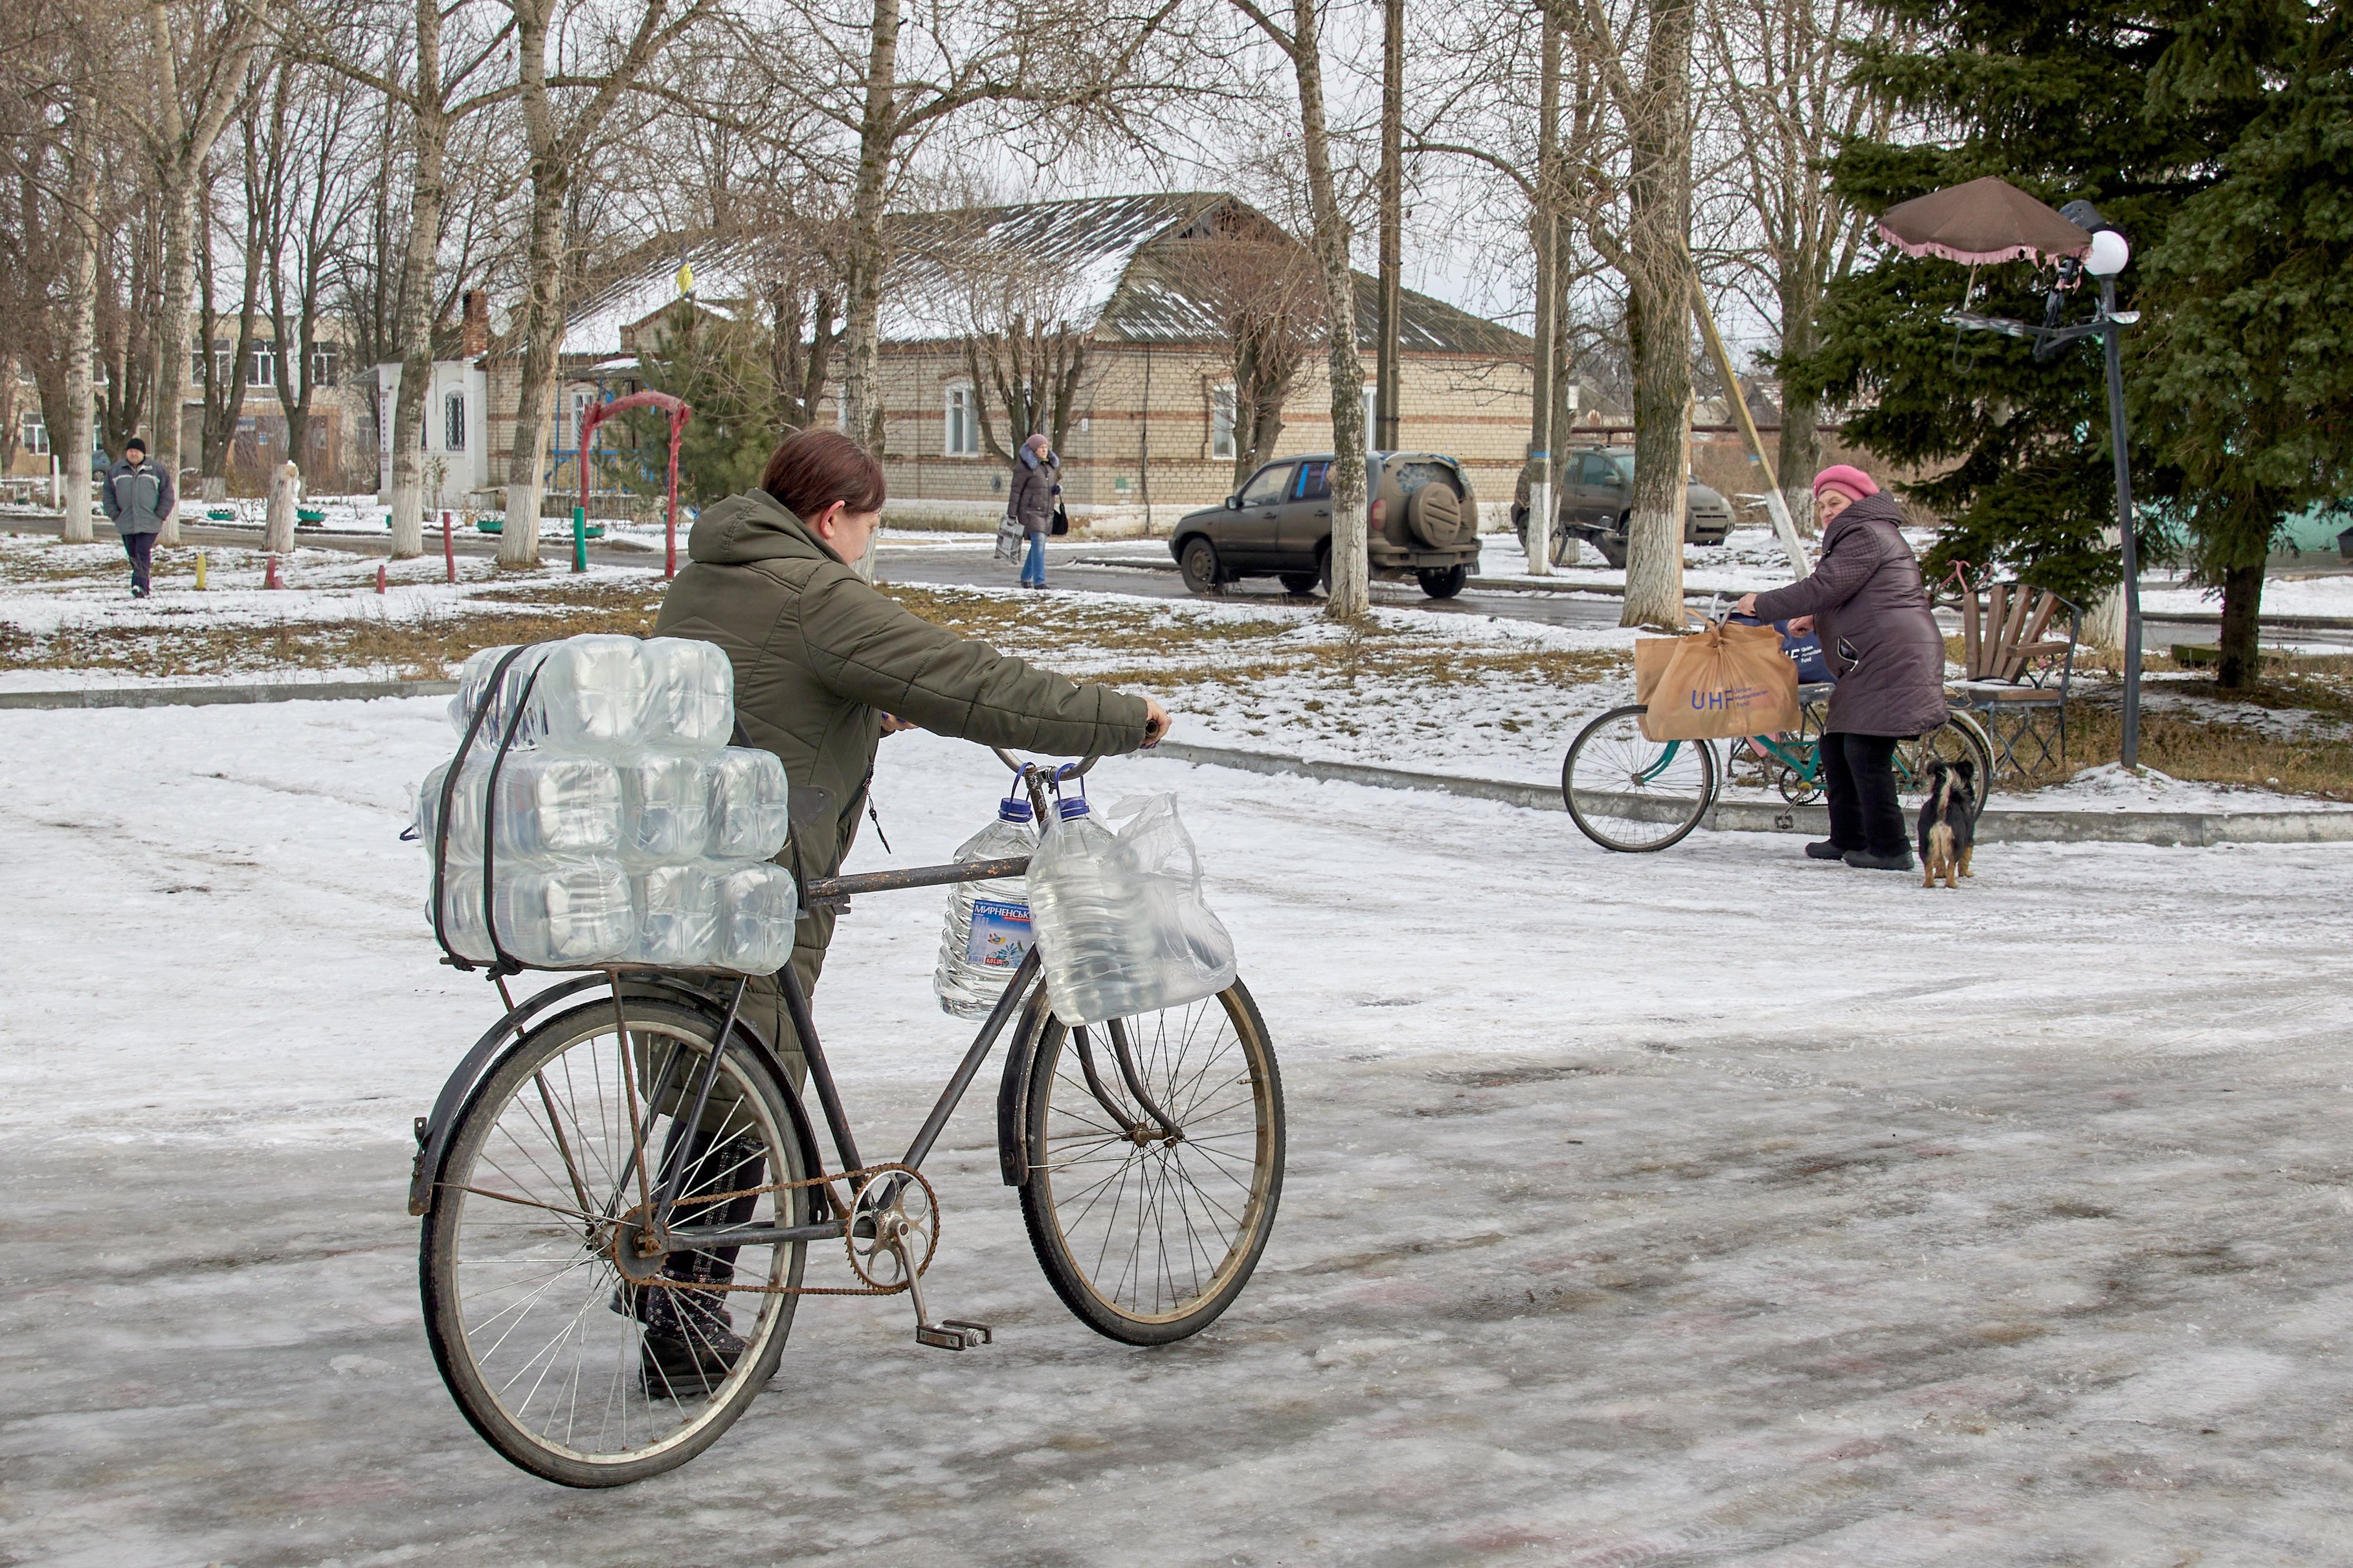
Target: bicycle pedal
953 1334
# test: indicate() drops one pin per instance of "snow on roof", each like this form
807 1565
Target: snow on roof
1071 262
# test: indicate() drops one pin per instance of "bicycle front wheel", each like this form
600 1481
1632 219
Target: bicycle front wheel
574 1350
1628 793
1149 1230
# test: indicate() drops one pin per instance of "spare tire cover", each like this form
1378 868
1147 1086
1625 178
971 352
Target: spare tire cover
1435 516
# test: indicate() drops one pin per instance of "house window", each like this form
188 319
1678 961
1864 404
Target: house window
453 431
1221 422
326 363
264 370
33 434
962 428
1372 400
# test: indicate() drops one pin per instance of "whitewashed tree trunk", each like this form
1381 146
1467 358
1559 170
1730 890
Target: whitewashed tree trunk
285 496
1659 296
2104 623
83 343
1350 593
429 134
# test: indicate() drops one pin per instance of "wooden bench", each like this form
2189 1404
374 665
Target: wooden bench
2017 672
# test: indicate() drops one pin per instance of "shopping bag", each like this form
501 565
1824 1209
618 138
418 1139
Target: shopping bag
1062 521
1728 680
1008 539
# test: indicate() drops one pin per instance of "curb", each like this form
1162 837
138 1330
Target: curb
1996 826
208 696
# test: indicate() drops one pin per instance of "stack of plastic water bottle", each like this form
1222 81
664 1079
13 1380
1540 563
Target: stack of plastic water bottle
623 827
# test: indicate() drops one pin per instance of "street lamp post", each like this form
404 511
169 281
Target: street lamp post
2105 258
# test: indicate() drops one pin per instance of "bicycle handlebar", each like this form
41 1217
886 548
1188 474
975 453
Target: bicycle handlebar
1018 766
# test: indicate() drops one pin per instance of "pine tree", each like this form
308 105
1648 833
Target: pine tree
721 366
2052 98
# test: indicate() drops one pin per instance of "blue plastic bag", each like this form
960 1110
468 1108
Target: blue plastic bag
1805 651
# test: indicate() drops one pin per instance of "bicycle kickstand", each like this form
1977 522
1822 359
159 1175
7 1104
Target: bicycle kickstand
948 1334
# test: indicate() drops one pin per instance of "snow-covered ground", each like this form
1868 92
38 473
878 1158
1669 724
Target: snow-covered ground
1716 1206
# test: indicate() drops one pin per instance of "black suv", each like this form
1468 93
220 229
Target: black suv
1424 524
1597 492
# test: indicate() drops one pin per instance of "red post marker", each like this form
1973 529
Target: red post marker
269 579
379 576
448 550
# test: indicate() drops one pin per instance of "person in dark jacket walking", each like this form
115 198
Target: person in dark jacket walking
138 497
1037 491
1865 602
826 665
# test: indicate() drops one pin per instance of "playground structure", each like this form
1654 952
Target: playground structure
596 414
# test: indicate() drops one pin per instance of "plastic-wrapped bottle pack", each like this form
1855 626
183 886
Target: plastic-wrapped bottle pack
620 825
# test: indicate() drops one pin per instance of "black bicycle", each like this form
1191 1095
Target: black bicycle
620 1185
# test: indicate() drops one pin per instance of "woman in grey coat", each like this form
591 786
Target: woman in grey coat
1865 602
1036 491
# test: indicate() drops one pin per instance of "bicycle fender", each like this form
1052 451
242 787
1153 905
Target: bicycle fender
491 1050
433 1130
1013 1093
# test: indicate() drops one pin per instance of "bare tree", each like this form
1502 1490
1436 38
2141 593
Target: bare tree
1349 595
1776 70
311 199
224 384
1259 289
200 54
560 136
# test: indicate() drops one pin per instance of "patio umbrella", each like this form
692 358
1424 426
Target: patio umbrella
1985 221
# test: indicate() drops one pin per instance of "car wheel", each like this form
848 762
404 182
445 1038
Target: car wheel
1298 581
1445 582
1199 564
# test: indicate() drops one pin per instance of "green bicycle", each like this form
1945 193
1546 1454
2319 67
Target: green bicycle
1628 793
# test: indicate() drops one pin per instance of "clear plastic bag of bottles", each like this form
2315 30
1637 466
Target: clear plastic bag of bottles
1120 920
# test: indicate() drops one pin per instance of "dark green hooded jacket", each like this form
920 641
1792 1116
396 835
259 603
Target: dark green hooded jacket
820 655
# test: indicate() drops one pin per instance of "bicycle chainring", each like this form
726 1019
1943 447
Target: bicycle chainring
893 1203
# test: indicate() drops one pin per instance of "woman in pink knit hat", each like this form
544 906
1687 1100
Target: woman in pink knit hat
1868 606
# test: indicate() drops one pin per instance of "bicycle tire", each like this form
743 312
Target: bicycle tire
1074 1161
504 1145
1617 753
1956 738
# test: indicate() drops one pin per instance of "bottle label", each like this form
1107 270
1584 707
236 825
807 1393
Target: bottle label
1000 938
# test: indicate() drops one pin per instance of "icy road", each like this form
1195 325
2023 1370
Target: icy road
1713 1206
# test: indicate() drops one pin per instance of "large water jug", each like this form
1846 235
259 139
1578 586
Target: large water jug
474 688
461 911
678 916
751 805
1084 908
689 694
988 930
468 812
757 907
591 693
572 914
664 807
546 804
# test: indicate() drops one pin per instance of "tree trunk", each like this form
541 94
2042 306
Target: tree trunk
2238 662
1659 295
544 299
429 132
279 520
83 343
1799 453
861 359
1544 238
1350 593
171 353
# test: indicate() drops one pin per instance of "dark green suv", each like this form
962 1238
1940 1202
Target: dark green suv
1597 496
1424 524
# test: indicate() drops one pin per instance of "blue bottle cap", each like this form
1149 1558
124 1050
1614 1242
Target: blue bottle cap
1073 807
1012 808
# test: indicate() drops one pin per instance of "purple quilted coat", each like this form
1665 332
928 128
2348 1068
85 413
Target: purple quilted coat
1872 617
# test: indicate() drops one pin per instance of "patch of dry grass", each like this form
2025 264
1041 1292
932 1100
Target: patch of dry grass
2203 749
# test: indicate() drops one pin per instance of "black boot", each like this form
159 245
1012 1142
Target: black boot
1825 850
1864 860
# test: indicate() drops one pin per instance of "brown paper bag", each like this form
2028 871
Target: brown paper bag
1728 680
1651 657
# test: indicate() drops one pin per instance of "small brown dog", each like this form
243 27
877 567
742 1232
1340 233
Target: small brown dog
1948 823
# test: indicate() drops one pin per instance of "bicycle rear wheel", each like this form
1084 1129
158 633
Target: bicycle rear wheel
575 1354
1148 1237
1628 793
1955 740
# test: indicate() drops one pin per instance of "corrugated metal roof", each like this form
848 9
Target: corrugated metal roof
1076 261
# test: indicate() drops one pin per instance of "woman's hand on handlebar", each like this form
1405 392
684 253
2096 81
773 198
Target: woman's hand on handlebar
1155 722
1745 606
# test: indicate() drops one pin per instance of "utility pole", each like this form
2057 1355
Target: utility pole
1546 235
1387 395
